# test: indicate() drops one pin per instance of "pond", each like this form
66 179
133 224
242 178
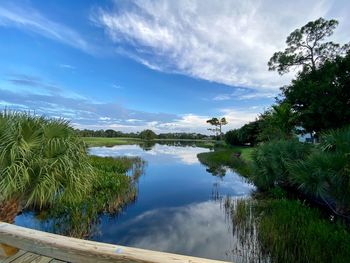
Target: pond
179 206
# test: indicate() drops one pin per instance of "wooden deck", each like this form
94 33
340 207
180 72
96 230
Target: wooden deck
28 257
20 244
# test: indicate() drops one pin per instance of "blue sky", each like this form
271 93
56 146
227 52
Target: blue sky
163 65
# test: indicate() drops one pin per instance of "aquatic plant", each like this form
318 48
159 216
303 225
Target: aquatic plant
114 186
284 230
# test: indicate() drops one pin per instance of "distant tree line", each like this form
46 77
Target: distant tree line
146 134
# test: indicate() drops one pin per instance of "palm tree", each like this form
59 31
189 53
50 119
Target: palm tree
41 160
326 172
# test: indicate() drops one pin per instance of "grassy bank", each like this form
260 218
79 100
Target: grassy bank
44 167
288 231
104 141
111 191
236 158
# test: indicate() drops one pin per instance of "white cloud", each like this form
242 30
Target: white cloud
115 86
228 41
237 118
67 66
29 19
105 118
246 94
221 97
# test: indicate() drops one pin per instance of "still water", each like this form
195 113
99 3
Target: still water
179 206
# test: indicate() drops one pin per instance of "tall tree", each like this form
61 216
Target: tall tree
321 99
306 47
217 123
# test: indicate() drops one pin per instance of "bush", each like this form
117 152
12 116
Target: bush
270 162
42 160
326 172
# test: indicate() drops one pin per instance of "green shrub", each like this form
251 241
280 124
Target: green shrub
42 160
325 173
270 161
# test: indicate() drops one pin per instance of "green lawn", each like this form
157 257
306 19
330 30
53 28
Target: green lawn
103 141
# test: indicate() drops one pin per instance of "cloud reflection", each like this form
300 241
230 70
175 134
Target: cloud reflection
185 155
198 229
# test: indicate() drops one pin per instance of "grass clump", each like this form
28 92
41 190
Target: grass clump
236 158
111 190
282 230
293 232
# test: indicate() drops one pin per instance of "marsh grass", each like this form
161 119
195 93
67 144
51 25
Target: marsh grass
246 247
112 190
284 230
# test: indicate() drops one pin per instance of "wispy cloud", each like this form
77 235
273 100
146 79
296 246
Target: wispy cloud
32 81
246 94
115 86
67 66
87 113
29 19
221 97
225 41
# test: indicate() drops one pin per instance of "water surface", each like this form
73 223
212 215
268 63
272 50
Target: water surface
178 207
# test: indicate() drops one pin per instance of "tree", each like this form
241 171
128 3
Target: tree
112 133
233 137
321 99
277 123
249 133
306 47
147 135
217 123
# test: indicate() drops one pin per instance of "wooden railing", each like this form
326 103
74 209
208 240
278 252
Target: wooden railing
79 250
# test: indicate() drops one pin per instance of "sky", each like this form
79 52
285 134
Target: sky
161 65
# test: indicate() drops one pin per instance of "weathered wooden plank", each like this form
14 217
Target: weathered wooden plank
78 250
6 251
42 259
13 257
25 258
57 261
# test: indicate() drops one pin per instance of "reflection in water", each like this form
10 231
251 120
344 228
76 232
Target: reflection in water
241 217
179 207
185 155
187 230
